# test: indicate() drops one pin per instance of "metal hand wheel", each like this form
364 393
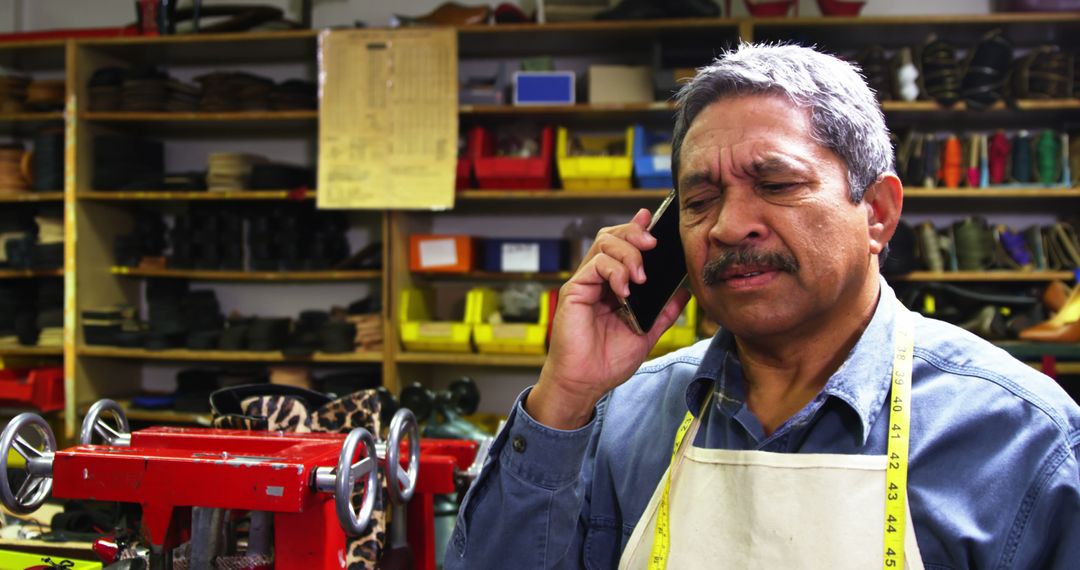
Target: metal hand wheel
343 479
38 462
402 482
117 435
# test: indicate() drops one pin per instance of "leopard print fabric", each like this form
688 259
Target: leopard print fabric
287 413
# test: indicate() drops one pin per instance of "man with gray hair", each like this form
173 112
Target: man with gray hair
824 425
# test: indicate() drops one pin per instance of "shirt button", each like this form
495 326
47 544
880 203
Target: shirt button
519 444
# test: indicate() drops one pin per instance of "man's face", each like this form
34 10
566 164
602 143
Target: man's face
773 244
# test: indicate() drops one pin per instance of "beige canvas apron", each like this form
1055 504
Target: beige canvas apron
756 509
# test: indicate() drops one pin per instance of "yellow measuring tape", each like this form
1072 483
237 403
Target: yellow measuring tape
895 473
899 436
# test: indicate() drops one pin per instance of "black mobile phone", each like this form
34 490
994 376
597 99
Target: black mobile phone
665 269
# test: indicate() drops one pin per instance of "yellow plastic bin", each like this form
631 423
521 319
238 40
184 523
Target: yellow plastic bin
682 333
595 172
420 333
15 559
515 338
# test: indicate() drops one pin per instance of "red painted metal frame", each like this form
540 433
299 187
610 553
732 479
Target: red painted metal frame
169 470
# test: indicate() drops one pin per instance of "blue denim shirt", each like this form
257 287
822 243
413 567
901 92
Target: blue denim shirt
993 475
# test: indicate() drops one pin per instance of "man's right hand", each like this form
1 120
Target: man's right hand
592 349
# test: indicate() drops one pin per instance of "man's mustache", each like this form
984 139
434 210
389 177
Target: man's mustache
715 268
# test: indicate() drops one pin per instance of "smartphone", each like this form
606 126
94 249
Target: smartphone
665 269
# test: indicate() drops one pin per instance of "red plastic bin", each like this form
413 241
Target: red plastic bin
508 173
464 169
41 388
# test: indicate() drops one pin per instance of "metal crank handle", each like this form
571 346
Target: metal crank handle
37 462
118 435
402 481
343 479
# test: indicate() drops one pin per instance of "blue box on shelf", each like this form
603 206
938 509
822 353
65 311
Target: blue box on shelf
652 170
544 88
525 255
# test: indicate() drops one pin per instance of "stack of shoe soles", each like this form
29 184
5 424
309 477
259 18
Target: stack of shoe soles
225 91
208 238
112 326
268 333
47 161
41 246
45 95
13 92
18 314
285 408
978 160
316 331
230 171
974 245
50 311
1044 73
294 95
105 89
277 176
146 239
994 312
295 237
13 174
15 224
127 163
179 317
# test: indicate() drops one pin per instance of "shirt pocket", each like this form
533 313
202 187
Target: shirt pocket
603 544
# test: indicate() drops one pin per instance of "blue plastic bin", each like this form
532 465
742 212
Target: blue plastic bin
651 171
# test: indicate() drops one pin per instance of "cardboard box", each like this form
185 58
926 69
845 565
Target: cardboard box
544 88
620 84
440 253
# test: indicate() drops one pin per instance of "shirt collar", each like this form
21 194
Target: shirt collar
861 382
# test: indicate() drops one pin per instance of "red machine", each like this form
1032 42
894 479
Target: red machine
303 480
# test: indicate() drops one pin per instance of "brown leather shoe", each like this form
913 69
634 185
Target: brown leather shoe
449 14
1055 295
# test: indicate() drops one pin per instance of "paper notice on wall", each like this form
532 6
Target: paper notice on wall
388 122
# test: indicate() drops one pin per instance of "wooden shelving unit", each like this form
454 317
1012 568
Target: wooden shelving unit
32 351
95 218
192 196
990 276
229 117
265 276
178 354
471 359
29 273
26 196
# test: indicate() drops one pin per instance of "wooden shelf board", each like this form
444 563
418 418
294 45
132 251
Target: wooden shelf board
668 106
577 109
1022 105
985 276
919 20
472 359
1000 192
31 117
1024 349
495 276
222 355
204 38
802 21
26 273
600 25
124 116
31 351
152 195
559 195
165 416
271 276
50 43
30 196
